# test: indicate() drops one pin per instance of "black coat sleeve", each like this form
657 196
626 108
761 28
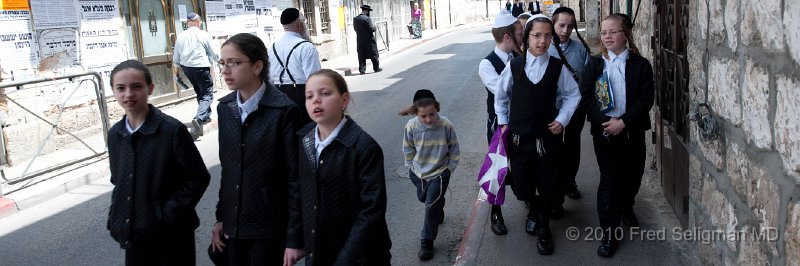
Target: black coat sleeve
588 97
644 100
195 178
373 207
294 231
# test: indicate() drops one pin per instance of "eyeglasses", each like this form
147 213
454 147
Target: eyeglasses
604 33
230 64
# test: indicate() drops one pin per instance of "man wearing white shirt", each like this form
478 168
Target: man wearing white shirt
194 56
504 32
292 59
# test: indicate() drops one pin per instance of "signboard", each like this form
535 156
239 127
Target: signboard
51 14
229 17
102 40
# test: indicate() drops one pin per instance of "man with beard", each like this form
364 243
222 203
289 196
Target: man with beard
505 32
193 55
293 58
366 46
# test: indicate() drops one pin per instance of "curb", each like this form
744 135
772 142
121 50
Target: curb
473 233
94 172
348 71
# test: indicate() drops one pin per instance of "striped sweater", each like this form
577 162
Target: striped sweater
429 150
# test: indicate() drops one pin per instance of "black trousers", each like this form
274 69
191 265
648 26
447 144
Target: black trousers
533 171
621 161
200 77
362 62
170 247
571 153
257 251
298 95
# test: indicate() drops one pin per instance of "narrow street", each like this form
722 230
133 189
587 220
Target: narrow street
71 229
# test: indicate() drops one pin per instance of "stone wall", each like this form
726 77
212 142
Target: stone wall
745 55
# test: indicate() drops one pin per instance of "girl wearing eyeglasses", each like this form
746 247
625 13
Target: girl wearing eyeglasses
527 93
258 155
618 133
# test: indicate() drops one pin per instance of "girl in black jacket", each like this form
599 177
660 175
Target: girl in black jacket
158 176
257 155
337 205
618 133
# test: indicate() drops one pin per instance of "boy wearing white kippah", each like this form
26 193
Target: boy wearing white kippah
506 33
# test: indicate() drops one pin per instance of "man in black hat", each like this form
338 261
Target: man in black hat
366 45
293 58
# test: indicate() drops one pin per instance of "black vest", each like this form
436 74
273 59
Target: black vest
498 65
533 106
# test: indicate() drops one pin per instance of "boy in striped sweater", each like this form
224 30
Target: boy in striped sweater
431 151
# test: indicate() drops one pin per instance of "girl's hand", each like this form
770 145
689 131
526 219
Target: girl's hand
291 256
216 238
555 127
613 126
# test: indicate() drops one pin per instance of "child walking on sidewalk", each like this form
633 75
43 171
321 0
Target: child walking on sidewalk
431 150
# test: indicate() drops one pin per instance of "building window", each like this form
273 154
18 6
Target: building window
308 11
325 22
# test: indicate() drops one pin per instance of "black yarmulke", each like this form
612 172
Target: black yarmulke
289 15
423 94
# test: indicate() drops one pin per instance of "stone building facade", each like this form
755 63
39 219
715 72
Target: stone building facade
743 61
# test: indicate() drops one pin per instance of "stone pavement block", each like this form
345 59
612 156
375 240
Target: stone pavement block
787 126
731 20
723 89
792 235
756 105
791 24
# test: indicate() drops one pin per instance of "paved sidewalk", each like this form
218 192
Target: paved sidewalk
26 194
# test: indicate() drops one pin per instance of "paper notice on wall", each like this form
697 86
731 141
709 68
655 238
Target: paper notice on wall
280 5
102 41
14 5
229 17
59 41
17 41
50 14
182 13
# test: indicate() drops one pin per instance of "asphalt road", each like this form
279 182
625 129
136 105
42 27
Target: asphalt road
71 229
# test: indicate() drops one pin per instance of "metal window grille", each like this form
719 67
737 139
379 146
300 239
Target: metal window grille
308 11
324 17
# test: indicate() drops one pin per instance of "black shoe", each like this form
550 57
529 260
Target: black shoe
498 225
378 70
607 247
545 244
442 220
198 127
530 226
425 250
558 212
629 218
574 194
361 72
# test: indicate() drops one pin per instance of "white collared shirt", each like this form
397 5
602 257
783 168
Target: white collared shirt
303 62
251 105
535 67
615 67
193 49
131 129
486 70
321 144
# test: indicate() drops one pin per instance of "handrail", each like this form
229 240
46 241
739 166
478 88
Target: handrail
99 90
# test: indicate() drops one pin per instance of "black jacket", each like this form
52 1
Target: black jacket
366 46
338 206
257 158
158 178
638 90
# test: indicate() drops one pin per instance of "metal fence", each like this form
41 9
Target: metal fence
382 35
28 173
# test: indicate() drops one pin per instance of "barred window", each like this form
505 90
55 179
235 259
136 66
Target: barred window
324 17
308 11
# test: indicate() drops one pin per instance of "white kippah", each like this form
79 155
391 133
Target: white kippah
504 18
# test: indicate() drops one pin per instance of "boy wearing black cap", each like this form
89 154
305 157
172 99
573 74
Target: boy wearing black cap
366 46
292 59
431 151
